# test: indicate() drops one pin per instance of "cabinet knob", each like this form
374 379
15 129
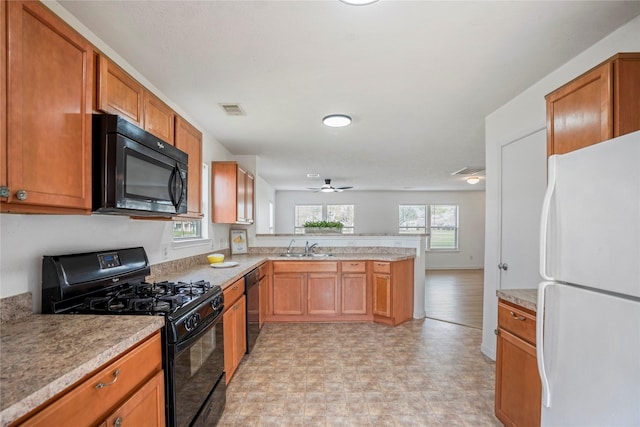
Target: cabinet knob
4 191
21 195
117 422
503 266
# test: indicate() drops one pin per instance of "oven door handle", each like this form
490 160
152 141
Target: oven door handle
202 329
174 188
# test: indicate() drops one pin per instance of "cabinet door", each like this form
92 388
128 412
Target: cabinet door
322 294
189 140
288 293
159 118
145 408
518 388
382 294
119 93
224 192
248 198
626 105
581 113
49 93
354 293
241 194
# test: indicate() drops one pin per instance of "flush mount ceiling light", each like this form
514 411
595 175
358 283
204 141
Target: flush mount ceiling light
358 2
336 120
473 180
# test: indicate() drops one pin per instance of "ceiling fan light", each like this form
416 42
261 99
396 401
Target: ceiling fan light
336 120
327 190
473 180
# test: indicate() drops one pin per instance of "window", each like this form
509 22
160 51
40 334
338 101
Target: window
443 227
304 213
413 219
185 229
342 213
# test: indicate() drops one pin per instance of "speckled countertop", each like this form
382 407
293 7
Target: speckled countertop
226 276
41 355
527 298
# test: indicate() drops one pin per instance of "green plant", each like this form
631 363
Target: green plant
323 224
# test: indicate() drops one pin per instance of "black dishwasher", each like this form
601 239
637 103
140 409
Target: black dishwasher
252 291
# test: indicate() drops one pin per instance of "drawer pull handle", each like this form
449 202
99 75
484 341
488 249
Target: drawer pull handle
515 316
115 378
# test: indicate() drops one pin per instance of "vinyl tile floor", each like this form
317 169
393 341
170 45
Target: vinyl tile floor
421 373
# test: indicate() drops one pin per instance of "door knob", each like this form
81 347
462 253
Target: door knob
503 266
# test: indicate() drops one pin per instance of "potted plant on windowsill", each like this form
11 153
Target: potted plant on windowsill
320 227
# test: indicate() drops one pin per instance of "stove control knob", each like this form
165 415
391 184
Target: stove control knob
191 322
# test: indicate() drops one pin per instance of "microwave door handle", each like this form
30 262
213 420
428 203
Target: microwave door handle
176 178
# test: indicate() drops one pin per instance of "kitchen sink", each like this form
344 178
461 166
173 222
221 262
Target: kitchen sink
301 255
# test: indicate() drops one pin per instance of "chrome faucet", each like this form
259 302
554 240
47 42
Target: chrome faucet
290 244
311 248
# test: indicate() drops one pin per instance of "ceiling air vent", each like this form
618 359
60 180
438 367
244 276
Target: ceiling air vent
468 171
232 109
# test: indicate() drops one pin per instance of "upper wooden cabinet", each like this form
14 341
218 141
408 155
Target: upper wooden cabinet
232 194
119 93
601 104
46 135
189 140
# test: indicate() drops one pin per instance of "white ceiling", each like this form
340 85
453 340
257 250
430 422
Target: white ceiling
418 77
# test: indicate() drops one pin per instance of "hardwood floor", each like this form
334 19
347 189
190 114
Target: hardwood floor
455 296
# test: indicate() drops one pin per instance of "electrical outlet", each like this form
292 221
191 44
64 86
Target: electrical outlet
165 252
220 242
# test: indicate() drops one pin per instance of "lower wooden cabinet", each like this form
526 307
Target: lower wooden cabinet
518 388
392 291
129 388
145 408
326 291
234 322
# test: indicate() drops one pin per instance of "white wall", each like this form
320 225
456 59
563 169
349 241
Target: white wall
377 212
521 116
24 239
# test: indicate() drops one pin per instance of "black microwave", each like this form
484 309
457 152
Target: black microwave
134 172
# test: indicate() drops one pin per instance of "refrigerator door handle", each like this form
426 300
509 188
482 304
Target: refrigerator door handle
544 218
546 393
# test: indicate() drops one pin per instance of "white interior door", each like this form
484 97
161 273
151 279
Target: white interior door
524 180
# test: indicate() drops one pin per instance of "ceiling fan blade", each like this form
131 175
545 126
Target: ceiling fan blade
343 188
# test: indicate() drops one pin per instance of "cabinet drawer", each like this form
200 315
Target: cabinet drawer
262 270
233 292
381 267
517 321
305 267
89 401
354 266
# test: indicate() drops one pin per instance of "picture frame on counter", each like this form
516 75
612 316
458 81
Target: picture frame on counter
238 241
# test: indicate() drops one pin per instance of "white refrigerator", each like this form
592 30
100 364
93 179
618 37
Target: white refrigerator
588 313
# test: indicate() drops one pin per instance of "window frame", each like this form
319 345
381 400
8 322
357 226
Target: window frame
299 228
456 229
418 229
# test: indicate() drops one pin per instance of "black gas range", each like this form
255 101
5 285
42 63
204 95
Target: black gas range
113 283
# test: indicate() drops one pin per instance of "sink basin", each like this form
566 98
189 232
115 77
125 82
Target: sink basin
301 255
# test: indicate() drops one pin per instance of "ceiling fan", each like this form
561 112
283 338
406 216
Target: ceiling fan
328 188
